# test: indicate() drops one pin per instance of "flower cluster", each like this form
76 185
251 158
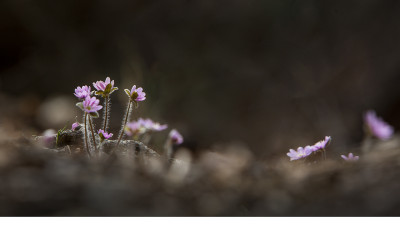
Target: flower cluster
350 158
90 105
376 126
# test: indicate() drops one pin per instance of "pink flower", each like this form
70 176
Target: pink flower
83 92
104 135
134 128
136 94
376 126
321 144
159 127
351 157
90 105
75 125
142 126
49 138
176 137
104 88
148 124
300 153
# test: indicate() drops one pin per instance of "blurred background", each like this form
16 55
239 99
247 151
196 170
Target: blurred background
270 75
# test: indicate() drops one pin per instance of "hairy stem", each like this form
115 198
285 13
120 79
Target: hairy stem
168 148
86 138
146 138
366 143
94 140
106 103
124 124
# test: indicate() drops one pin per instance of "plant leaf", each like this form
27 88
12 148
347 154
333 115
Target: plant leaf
94 114
80 105
101 137
99 93
114 89
128 92
59 134
108 88
134 96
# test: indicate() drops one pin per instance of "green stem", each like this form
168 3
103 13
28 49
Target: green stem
94 140
123 125
86 138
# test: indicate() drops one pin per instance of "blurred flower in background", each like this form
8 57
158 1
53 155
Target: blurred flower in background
376 126
350 157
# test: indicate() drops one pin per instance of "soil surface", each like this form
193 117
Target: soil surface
225 181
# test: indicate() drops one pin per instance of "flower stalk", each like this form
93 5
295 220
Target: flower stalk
94 139
128 112
135 95
90 106
104 89
106 112
86 137
174 137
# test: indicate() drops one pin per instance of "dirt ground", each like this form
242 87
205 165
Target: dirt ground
226 180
